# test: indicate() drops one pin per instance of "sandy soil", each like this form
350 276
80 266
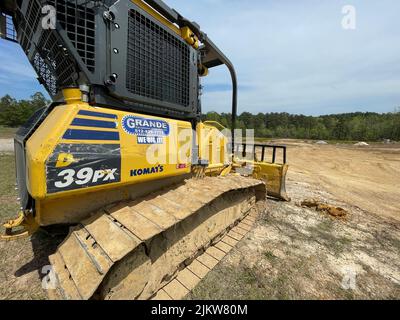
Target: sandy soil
6 145
299 253
365 177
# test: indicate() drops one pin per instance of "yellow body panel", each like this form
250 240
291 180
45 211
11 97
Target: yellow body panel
67 157
39 147
212 148
83 158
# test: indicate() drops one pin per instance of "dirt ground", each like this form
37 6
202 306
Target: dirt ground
365 177
299 253
7 133
6 145
293 252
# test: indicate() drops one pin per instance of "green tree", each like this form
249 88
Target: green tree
14 113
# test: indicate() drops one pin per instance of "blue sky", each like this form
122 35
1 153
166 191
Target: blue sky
290 55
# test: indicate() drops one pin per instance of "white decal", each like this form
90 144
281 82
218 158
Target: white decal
68 176
84 176
110 175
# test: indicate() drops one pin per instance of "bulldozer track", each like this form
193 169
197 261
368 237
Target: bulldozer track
189 277
134 249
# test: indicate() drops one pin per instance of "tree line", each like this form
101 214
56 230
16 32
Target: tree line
367 126
14 113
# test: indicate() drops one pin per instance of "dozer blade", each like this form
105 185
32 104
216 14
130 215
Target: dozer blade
275 177
270 171
273 174
134 249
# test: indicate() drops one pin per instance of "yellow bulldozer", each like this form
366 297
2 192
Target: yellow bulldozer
154 197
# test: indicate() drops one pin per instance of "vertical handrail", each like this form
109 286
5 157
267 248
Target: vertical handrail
284 155
263 152
273 155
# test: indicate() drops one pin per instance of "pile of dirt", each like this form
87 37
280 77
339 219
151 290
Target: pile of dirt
361 144
333 211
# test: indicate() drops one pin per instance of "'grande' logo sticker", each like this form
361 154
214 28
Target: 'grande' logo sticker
148 131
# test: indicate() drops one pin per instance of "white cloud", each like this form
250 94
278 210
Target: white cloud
289 55
297 58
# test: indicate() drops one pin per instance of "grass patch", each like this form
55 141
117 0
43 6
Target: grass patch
269 255
249 276
242 283
22 260
324 234
8 194
325 225
7 132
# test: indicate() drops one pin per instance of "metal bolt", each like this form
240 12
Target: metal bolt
84 88
116 25
111 79
85 92
108 15
116 51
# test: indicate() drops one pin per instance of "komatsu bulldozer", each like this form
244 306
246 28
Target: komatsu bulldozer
153 196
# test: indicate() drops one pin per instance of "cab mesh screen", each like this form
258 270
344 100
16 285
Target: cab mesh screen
158 63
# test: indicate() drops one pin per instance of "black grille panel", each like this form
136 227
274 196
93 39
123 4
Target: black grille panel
155 69
53 65
158 63
79 23
27 24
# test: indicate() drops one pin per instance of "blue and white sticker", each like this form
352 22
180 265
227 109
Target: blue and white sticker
148 131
